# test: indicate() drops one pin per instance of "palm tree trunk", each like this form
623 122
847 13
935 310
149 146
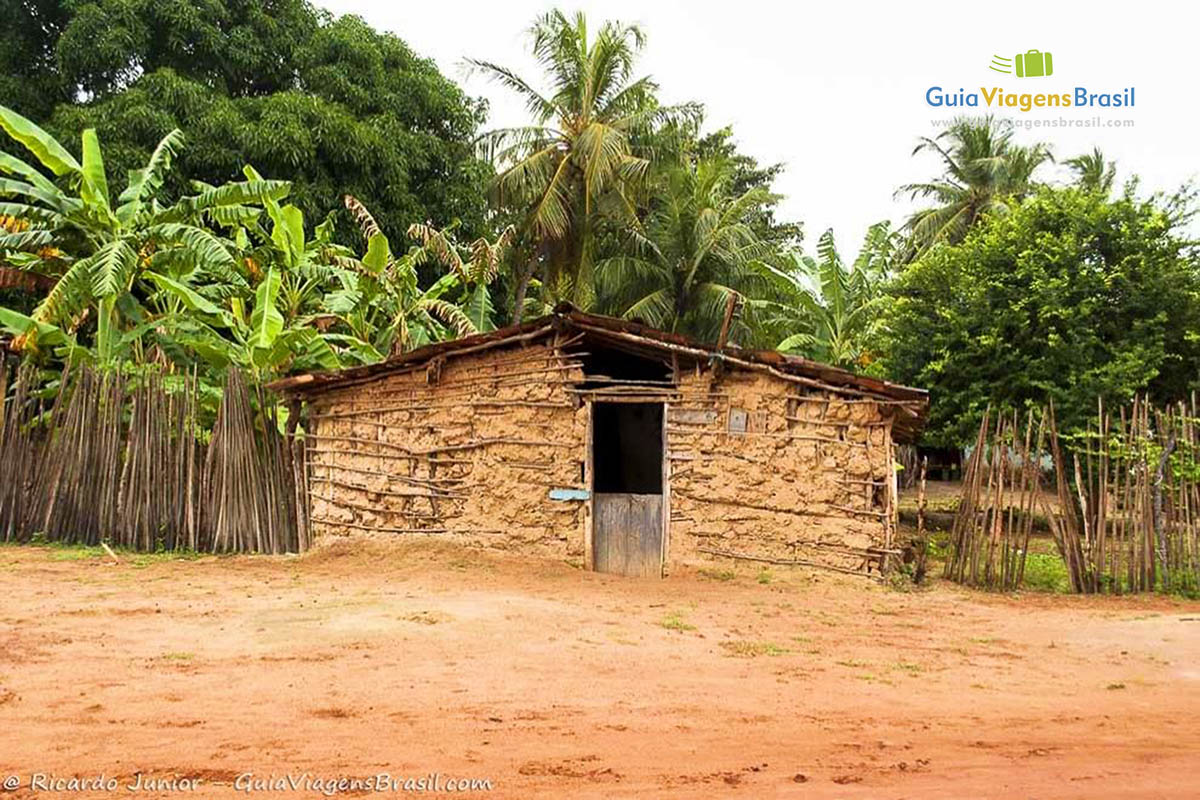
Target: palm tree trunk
522 286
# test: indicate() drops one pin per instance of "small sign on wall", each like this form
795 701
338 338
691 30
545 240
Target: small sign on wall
738 420
569 494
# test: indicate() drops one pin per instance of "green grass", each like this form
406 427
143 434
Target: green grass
177 656
76 553
675 622
764 577
1046 572
853 664
66 551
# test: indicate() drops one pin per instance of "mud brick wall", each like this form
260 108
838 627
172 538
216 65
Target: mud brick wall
808 480
467 448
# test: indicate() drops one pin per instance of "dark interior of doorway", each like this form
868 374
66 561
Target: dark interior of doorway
628 448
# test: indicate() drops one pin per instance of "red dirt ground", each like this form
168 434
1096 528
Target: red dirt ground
554 682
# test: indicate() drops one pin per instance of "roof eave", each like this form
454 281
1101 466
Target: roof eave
913 403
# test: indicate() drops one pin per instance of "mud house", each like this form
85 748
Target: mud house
628 449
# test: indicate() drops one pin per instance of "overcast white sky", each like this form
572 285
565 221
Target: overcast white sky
836 91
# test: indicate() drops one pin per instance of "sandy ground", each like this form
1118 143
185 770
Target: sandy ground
552 682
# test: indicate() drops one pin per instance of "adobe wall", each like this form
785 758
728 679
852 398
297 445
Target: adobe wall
467 449
807 481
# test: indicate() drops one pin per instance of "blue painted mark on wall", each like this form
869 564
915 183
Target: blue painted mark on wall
569 494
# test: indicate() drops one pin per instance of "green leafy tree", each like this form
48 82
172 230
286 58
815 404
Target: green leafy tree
694 251
329 102
1067 298
577 160
29 77
747 174
833 307
983 172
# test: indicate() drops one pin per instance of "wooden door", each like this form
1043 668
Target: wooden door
627 534
627 470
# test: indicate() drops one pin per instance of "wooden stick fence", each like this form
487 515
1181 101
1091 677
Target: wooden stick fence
1137 479
1126 511
1001 484
124 461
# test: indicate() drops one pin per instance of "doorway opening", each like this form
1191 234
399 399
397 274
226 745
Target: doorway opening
628 447
627 486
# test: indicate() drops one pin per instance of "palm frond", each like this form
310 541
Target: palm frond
655 308
535 103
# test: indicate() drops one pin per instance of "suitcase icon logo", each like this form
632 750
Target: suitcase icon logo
1030 64
1033 64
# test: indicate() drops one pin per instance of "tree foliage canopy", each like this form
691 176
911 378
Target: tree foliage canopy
693 251
1068 297
578 161
1000 291
331 104
828 310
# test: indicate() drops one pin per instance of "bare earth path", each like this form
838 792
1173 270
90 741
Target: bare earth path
553 682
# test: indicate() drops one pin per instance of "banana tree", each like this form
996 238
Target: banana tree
380 300
831 307
99 252
268 320
254 336
476 265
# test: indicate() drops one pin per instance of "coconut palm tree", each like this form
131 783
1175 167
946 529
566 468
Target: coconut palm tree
695 250
578 158
1093 172
983 172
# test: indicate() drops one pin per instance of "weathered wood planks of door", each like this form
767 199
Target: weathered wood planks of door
627 534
